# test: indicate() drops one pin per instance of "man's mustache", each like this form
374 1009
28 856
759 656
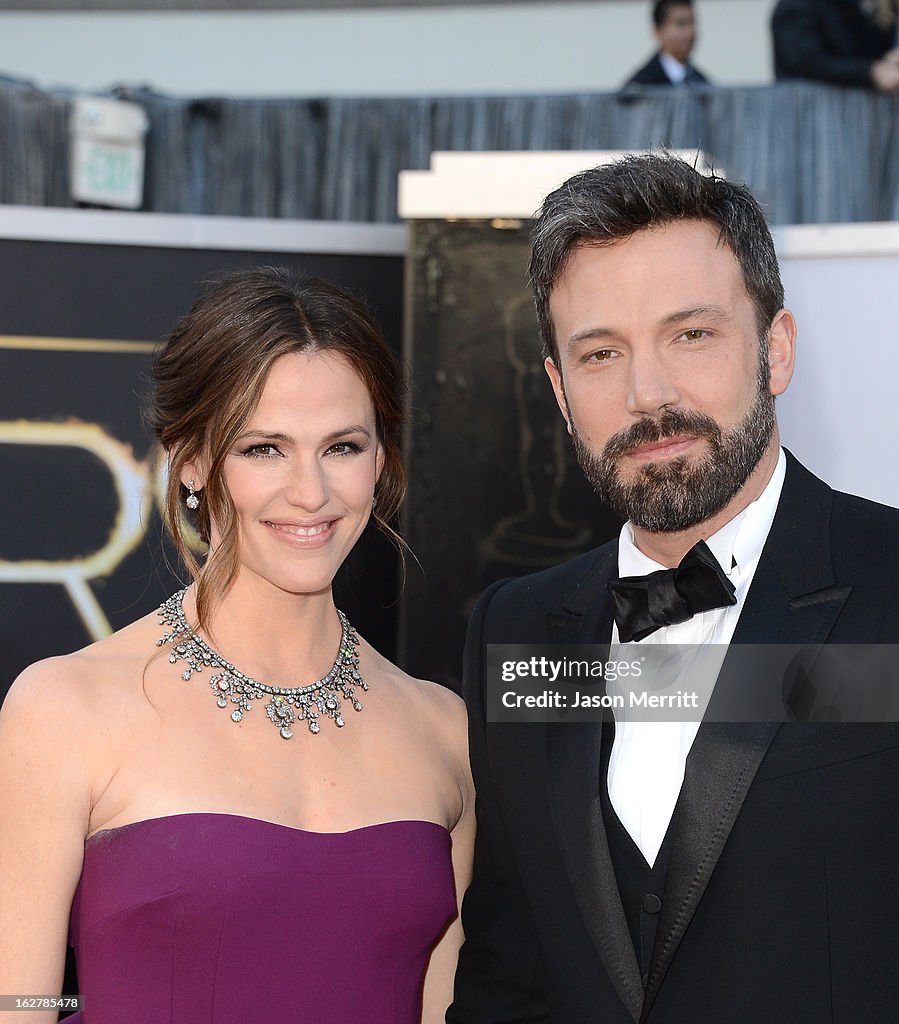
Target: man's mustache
671 423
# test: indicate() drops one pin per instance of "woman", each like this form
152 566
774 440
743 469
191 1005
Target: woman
240 831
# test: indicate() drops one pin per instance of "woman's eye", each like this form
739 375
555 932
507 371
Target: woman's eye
344 448
261 451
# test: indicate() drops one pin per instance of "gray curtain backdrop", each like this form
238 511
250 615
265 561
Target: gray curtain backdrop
811 153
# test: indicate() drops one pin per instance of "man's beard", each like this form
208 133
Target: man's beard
675 494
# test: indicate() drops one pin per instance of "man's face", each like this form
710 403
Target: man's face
667 392
677 33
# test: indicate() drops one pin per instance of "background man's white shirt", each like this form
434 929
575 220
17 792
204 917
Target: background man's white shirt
673 68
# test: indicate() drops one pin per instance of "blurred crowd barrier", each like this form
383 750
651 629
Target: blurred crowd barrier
811 153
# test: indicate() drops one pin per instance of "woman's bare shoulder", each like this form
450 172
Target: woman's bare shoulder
442 701
69 684
442 708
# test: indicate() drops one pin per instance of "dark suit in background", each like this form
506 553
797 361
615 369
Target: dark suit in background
781 902
652 73
827 41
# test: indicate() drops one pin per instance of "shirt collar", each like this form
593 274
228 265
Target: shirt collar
737 545
672 67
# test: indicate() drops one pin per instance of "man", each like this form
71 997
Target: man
675 30
669 872
834 41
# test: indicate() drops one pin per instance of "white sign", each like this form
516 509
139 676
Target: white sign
107 162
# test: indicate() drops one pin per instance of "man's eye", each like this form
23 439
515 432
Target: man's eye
603 355
694 334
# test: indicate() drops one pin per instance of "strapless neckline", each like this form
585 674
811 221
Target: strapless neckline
249 821
207 916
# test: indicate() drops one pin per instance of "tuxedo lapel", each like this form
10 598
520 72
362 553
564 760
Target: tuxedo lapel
585 615
719 772
573 751
574 759
792 600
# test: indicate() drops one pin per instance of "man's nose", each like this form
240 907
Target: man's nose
651 387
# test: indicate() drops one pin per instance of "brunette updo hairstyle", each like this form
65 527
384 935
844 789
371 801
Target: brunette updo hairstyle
208 377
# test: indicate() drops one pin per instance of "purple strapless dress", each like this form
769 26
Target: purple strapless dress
221 919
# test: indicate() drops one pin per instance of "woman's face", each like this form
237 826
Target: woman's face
303 472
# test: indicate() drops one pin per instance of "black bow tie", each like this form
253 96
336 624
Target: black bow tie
643 604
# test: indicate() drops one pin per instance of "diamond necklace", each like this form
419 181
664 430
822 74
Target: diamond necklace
288 704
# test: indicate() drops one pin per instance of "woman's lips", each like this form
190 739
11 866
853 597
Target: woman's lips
302 535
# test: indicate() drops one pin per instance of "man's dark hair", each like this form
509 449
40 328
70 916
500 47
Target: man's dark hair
662 7
610 203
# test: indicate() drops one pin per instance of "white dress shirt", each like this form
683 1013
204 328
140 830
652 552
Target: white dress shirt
673 68
648 760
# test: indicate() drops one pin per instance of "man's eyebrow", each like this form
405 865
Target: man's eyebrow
591 334
677 317
694 312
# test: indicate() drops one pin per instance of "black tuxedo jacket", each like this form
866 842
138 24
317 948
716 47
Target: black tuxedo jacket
827 40
652 73
781 902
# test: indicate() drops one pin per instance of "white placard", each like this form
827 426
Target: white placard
107 155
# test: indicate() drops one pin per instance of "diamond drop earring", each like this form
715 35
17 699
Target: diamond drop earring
192 501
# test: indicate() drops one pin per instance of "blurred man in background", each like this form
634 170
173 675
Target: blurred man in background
675 30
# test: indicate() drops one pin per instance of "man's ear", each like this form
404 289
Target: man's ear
782 350
555 378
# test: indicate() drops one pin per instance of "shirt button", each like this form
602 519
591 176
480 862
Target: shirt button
651 903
